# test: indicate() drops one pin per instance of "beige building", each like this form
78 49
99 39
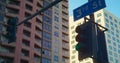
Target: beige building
112 23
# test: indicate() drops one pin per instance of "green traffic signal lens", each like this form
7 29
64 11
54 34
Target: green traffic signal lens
78 46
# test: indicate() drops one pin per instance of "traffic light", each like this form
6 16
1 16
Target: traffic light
84 39
102 56
11 29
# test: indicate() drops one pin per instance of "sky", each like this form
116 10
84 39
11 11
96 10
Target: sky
113 6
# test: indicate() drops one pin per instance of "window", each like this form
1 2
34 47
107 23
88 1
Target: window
56 49
116 61
99 14
73 57
113 38
72 27
47 44
56 58
111 23
107 25
36 58
110 17
44 60
116 26
114 49
27 14
46 53
64 7
73 61
114 44
47 27
27 24
47 19
57 5
115 55
23 61
30 1
26 33
106 20
45 3
109 41
11 10
47 35
106 14
56 26
110 52
110 47
56 41
74 51
111 58
98 21
72 42
56 11
26 42
14 2
115 20
118 51
117 31
56 18
112 28
118 46
28 7
48 12
56 33
24 53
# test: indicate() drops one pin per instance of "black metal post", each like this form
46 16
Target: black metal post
94 38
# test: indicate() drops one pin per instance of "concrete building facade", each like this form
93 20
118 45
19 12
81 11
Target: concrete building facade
43 39
112 23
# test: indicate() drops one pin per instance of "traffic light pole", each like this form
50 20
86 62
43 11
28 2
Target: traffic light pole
94 38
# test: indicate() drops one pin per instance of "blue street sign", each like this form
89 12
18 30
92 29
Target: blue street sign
88 8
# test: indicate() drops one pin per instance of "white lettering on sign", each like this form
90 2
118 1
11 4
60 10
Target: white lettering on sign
99 2
79 12
95 5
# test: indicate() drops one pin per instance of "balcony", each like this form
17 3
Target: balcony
65 22
65 53
36 58
25 54
65 3
7 51
37 50
65 37
65 30
65 45
65 60
38 41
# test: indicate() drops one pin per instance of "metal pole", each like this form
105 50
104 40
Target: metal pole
94 37
42 10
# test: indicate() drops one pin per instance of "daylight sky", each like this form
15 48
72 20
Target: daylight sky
113 6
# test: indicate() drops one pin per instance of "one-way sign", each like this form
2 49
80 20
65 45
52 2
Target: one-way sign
88 8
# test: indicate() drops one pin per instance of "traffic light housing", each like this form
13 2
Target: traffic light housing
102 56
11 29
84 39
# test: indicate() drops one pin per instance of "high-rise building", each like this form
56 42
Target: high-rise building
112 23
107 20
43 39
